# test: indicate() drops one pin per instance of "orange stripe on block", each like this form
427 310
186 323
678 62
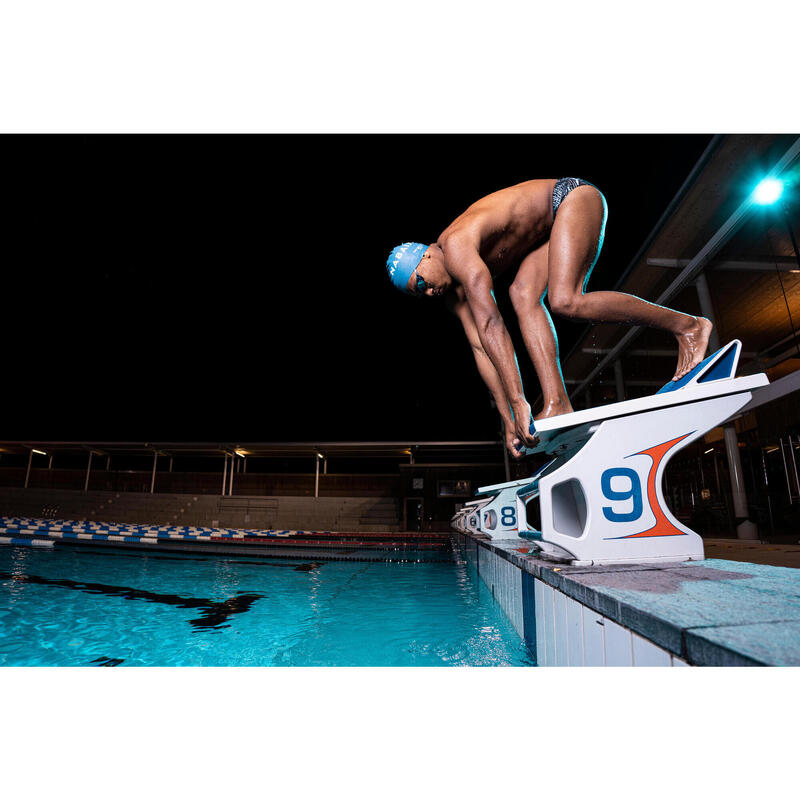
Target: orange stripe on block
662 527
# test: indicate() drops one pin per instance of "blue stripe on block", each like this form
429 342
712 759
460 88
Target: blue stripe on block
529 612
723 368
728 360
680 383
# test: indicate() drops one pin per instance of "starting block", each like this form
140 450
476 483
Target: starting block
600 496
468 517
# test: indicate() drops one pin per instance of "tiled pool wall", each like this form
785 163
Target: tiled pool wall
558 630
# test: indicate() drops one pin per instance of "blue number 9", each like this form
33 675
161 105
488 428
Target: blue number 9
634 493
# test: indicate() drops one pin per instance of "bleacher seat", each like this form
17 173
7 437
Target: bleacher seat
352 514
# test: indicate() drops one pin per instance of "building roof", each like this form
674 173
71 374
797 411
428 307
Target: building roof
746 254
401 450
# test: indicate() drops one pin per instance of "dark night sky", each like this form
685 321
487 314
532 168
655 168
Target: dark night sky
203 288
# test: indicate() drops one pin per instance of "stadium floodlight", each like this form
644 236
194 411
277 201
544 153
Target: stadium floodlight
768 191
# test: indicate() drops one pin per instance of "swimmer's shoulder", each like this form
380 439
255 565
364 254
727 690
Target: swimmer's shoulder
464 229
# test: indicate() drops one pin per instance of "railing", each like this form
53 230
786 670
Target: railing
788 455
206 483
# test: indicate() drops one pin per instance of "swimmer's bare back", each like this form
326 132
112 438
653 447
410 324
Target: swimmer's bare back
506 225
511 224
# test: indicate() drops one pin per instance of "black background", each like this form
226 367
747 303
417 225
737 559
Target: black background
203 288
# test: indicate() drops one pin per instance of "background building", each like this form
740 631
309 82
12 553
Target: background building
717 250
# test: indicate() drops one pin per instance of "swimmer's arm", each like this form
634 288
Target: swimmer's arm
464 263
486 369
483 362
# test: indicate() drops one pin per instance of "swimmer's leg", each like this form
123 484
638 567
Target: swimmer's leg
575 242
527 293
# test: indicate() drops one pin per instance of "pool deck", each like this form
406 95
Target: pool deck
776 555
716 612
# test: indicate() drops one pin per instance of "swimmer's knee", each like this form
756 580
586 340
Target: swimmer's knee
566 303
524 296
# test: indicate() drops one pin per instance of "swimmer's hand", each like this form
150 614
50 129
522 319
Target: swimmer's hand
522 435
513 445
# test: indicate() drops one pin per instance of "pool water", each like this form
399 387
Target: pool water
82 607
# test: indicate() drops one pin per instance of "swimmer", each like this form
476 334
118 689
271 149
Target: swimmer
550 232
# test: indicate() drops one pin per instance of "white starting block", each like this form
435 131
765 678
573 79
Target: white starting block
600 497
468 517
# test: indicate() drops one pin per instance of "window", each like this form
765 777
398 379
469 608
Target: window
455 489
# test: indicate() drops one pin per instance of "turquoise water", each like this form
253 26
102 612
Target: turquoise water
76 607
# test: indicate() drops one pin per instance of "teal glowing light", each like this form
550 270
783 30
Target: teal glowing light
768 191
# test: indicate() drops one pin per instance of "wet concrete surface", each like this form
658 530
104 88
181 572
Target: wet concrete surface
776 555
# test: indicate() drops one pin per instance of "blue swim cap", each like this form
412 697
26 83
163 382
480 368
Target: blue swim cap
403 261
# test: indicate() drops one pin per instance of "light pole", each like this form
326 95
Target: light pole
791 232
767 193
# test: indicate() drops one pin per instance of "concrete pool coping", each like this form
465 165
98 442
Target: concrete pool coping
714 612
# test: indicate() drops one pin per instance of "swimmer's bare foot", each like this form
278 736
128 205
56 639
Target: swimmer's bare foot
554 410
516 446
692 345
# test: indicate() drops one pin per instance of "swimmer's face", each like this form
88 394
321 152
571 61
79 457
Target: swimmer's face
430 277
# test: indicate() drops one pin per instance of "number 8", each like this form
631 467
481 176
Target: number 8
508 515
